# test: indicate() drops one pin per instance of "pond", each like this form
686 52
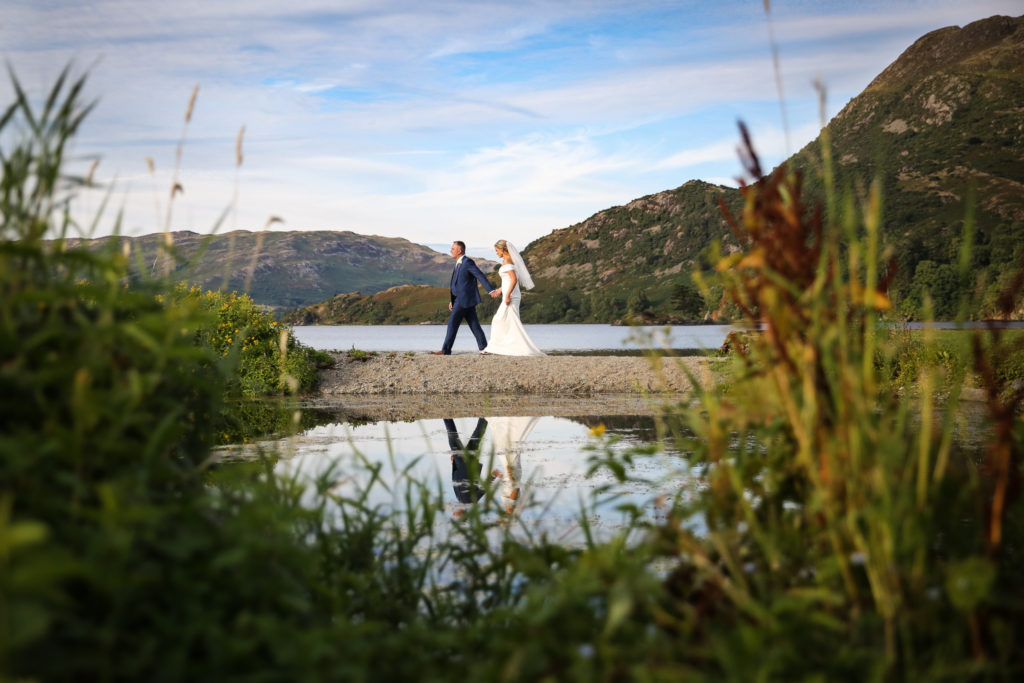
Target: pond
535 465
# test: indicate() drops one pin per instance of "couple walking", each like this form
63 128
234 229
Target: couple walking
508 338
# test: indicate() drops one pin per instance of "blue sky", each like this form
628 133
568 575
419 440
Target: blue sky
435 121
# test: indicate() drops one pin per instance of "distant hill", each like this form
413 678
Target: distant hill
943 121
296 268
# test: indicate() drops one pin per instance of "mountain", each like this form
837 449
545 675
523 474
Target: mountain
297 268
627 258
942 128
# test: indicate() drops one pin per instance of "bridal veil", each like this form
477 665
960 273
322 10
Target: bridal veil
522 274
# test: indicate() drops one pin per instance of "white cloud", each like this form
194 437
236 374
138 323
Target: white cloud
505 118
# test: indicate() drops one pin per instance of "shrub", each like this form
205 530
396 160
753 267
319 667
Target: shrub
267 359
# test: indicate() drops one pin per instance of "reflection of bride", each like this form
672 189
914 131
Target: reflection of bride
508 434
508 338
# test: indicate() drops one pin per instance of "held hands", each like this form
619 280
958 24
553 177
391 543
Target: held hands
495 293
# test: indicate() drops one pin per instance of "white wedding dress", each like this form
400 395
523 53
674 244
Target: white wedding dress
508 435
508 338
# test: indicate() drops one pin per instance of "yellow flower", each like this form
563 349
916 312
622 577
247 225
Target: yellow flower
598 430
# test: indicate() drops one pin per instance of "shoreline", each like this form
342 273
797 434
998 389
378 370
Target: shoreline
471 373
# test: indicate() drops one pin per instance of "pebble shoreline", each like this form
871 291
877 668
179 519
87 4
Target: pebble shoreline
463 373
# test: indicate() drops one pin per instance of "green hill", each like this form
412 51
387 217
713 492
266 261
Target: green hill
296 268
942 129
636 257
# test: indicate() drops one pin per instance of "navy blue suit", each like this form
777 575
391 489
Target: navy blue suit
465 297
467 488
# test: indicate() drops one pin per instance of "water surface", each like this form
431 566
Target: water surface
576 338
536 466
550 338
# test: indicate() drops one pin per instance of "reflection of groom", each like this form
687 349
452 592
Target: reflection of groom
464 298
466 491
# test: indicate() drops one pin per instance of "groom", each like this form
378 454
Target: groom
465 297
467 487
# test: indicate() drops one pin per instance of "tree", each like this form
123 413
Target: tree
638 302
940 281
687 299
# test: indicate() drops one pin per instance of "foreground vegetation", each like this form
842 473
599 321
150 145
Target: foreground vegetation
266 358
844 530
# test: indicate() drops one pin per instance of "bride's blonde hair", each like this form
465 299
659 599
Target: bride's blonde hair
502 246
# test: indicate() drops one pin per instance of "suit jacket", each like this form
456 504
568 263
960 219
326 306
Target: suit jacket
463 288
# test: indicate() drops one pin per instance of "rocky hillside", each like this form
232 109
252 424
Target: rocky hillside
291 269
942 128
635 257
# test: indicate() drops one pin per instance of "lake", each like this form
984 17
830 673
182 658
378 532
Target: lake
549 338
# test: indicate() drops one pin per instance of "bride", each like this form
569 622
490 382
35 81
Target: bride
508 338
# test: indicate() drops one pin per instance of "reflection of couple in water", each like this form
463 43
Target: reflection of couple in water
508 435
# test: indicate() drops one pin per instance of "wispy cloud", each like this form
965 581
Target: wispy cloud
499 117
769 142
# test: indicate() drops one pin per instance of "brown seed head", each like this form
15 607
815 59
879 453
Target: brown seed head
191 103
238 146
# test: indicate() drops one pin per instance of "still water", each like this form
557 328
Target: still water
537 468
550 338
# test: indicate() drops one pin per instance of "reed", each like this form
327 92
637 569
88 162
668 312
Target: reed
846 525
